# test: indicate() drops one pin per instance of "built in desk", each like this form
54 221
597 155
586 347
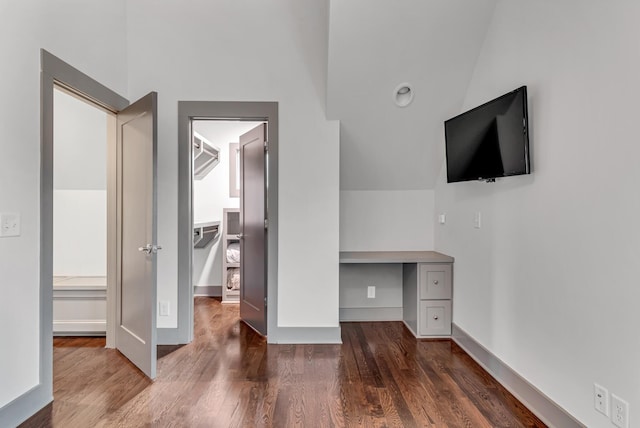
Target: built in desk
427 287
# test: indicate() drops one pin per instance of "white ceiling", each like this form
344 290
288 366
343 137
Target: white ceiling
373 47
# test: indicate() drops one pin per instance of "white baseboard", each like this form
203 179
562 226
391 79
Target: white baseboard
370 314
79 327
542 406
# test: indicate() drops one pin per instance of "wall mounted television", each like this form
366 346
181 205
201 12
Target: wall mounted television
489 141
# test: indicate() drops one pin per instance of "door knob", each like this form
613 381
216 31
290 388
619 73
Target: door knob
150 249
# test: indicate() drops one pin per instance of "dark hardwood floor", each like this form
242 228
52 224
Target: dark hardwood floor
381 376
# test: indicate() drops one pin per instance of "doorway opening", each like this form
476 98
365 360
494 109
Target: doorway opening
217 181
83 134
244 183
57 78
130 142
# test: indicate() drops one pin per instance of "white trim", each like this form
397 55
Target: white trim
80 327
371 314
535 400
79 294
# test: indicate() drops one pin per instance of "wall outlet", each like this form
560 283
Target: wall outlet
601 399
442 218
9 224
619 412
371 292
164 308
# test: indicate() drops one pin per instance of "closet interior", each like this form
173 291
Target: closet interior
216 208
79 216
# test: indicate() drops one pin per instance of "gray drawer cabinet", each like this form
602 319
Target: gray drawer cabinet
427 290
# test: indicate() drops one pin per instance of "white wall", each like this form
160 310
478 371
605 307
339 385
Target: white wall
549 284
91 37
211 196
80 187
250 51
381 221
80 233
386 220
80 144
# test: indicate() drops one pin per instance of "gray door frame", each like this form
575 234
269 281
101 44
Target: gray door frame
221 110
53 72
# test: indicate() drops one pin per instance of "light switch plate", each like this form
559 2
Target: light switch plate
371 292
164 308
477 220
9 224
601 399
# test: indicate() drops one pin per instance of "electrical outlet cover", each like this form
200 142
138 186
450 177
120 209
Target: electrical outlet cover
9 224
619 412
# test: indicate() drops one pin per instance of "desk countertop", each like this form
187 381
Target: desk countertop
394 257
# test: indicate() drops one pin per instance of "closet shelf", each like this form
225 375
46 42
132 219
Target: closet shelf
204 233
205 156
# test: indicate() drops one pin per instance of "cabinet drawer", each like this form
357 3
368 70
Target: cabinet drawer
435 318
435 281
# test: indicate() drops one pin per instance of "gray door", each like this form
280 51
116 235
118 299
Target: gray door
137 235
253 215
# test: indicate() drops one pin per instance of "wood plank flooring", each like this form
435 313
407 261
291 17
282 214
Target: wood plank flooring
381 376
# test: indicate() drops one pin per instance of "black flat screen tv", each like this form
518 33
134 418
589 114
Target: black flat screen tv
489 141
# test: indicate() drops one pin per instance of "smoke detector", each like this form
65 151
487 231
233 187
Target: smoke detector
403 94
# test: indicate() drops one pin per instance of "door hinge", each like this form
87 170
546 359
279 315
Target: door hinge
266 146
265 301
266 223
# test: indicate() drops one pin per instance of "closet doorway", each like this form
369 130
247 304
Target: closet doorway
125 194
217 180
228 210
82 133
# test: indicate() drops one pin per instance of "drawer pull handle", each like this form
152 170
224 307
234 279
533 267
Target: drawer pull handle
435 281
435 317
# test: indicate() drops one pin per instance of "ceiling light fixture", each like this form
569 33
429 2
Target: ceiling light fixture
403 95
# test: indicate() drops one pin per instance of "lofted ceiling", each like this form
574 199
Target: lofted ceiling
373 47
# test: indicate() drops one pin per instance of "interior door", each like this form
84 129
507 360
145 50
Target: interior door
137 234
253 220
